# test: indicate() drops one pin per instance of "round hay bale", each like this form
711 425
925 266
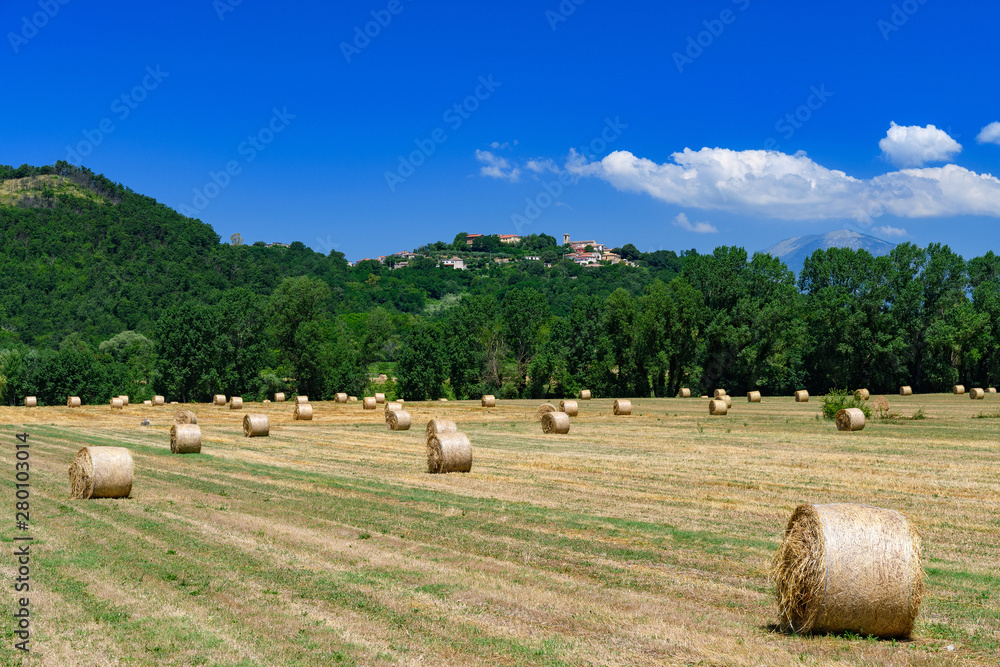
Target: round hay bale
753 397
685 392
719 393
398 420
848 568
717 406
850 419
802 396
340 397
584 394
390 406
958 389
116 404
379 398
124 400
219 399
158 400
906 390
30 402
147 402
571 408
488 401
301 399
302 412
267 400
436 426
73 402
443 400
991 390
185 417
235 403
881 403
185 439
727 399
862 394
101 472
555 422
279 397
352 399
543 408
977 394
449 452
369 403
255 426
622 407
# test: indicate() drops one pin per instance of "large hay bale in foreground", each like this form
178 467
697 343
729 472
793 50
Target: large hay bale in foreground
685 392
977 394
802 396
101 472
906 390
116 404
862 394
185 417
622 407
488 401
753 397
279 397
958 389
158 400
369 403
235 403
185 439
302 412
340 397
30 402
436 426
449 452
881 403
572 408
717 406
848 568
73 402
555 422
543 408
255 426
398 420
219 399
584 394
379 398
850 419
301 399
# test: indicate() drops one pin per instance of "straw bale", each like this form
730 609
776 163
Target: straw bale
185 438
442 400
717 406
73 402
622 407
719 393
116 404
398 420
369 403
352 399
279 397
991 390
850 419
881 403
862 394
488 401
302 412
436 426
124 400
958 389
572 408
906 390
584 394
301 399
219 399
449 452
555 422
543 408
158 400
147 402
727 399
848 568
101 472
390 406
255 426
235 403
802 396
30 402
753 397
685 392
185 417
340 397
977 394
379 398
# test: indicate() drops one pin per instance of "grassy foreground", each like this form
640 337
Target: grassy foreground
640 540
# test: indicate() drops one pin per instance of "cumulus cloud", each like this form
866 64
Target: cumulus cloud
497 167
915 146
496 145
990 134
539 165
793 187
697 227
886 230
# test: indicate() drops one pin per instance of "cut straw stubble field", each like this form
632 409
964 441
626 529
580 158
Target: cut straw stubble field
640 541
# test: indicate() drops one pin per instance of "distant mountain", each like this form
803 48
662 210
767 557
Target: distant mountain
794 251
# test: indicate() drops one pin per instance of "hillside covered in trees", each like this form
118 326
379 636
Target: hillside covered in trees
107 292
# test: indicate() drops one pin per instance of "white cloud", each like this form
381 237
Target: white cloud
540 165
497 167
794 187
886 230
496 145
915 146
990 134
698 227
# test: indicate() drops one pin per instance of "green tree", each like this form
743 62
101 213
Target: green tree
422 367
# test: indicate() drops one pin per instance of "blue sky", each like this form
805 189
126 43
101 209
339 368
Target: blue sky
674 125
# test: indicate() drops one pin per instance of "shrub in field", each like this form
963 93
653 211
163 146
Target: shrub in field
838 399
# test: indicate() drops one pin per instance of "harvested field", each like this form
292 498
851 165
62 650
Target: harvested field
640 541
